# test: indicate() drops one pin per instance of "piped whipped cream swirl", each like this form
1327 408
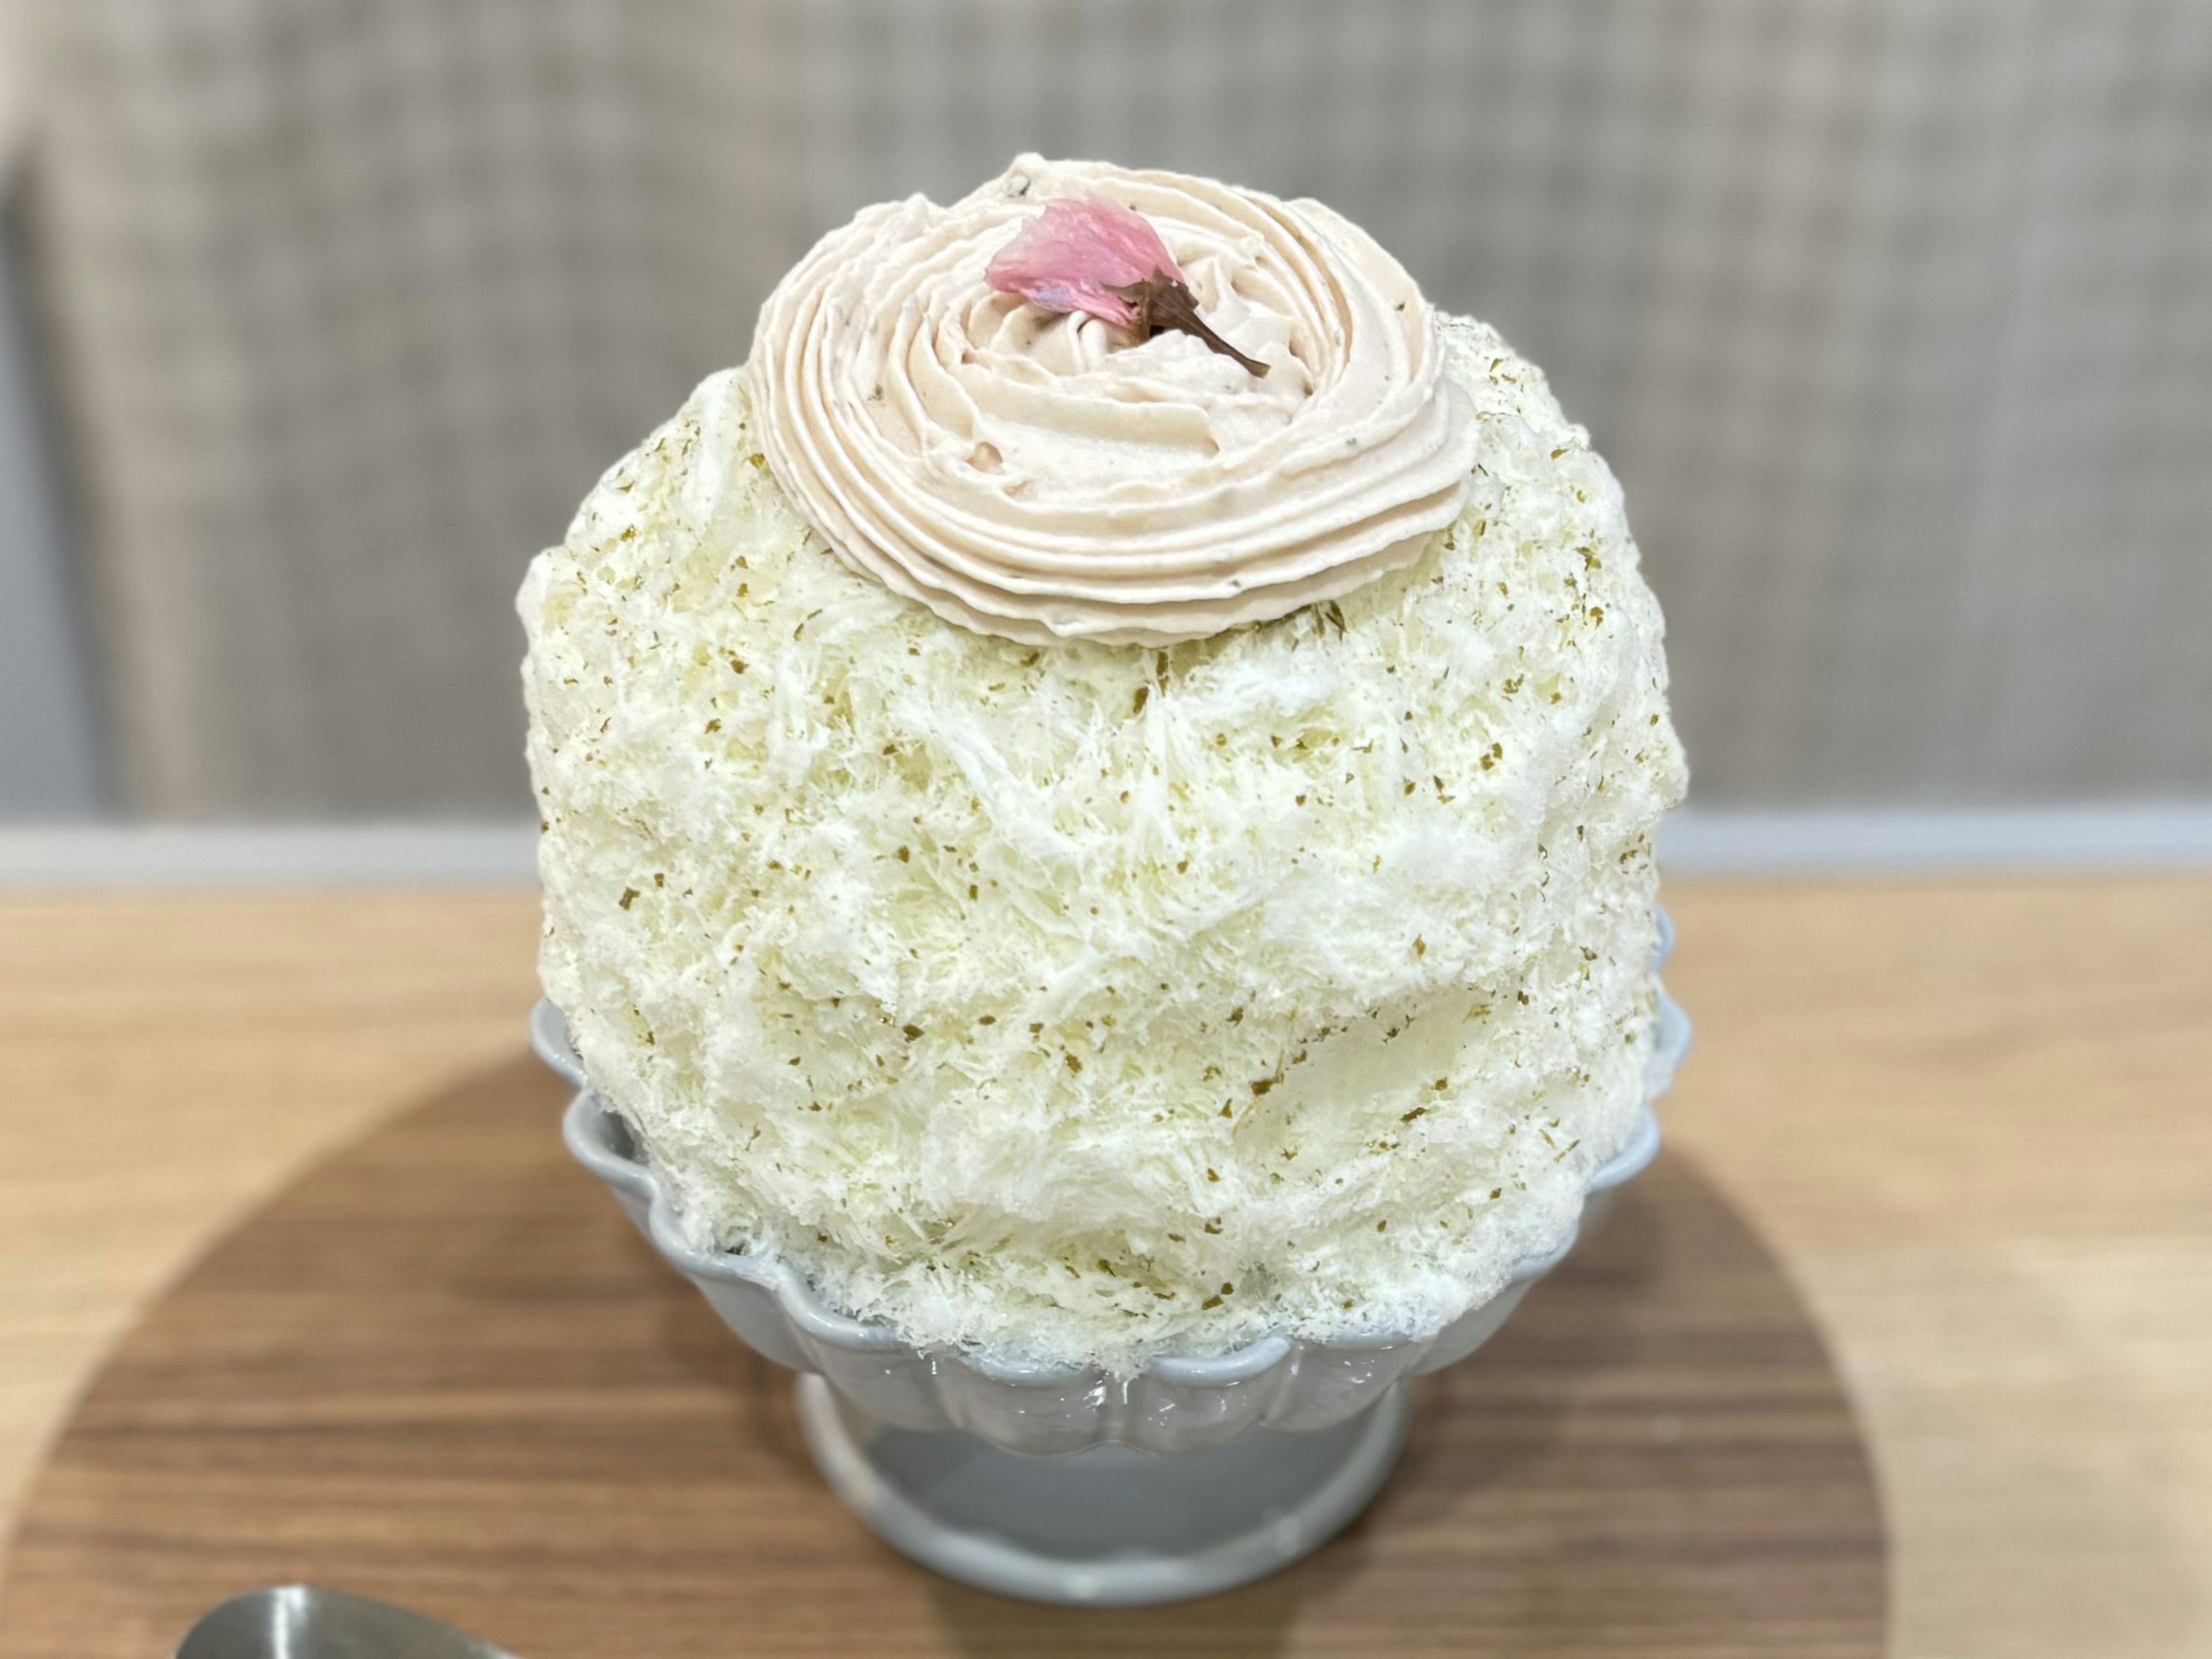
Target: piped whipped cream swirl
1044 476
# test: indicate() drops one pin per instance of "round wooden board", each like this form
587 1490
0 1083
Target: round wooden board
442 1370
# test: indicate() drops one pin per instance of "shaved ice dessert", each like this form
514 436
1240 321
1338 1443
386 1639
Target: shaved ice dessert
1091 841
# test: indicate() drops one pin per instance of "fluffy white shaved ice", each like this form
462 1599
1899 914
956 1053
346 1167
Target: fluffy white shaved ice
1093 1002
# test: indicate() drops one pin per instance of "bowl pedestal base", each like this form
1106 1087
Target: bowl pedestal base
1112 1526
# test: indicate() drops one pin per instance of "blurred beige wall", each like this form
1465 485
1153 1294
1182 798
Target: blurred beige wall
1895 317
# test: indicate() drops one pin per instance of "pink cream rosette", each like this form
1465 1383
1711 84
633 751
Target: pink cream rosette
1062 455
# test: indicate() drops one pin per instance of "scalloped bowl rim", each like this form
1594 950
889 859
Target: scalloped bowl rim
583 1130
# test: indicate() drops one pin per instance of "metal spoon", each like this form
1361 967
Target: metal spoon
299 1621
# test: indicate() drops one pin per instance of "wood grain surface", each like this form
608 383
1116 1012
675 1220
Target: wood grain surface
168 1060
443 1369
1970 1118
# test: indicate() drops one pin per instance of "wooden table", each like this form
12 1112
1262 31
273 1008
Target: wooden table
1974 1120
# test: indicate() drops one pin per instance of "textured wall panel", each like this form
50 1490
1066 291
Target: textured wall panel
1895 317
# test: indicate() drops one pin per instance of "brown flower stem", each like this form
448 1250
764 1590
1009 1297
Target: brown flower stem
1163 303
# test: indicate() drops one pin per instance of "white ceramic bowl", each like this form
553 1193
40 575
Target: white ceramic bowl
1278 1445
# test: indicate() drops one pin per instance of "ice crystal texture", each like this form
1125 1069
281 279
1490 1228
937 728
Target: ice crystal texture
1091 1002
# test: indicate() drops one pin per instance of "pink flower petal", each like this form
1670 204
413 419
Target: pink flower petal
1070 256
